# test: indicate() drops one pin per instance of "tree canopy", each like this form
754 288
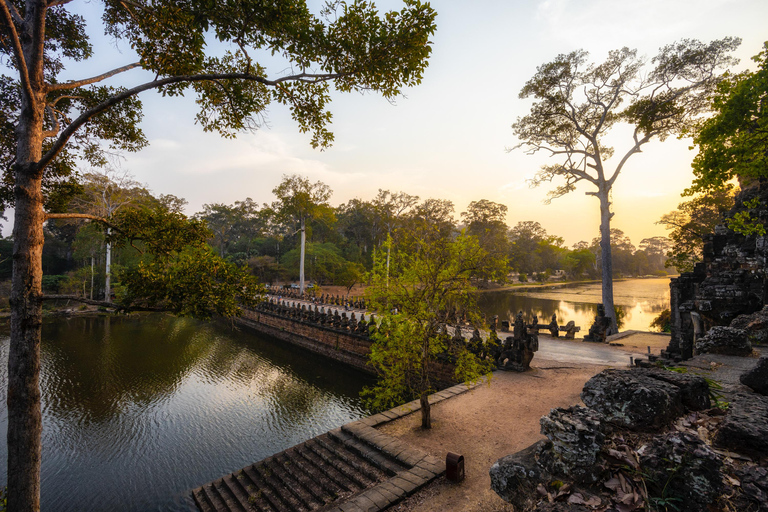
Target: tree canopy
734 142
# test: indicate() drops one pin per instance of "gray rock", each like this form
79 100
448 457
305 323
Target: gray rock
728 341
755 325
515 477
757 377
694 390
745 427
633 399
680 465
754 487
576 436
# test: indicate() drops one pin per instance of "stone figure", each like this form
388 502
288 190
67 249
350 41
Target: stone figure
599 329
554 329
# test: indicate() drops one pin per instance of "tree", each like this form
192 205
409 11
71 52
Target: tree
577 104
423 285
486 220
298 201
48 124
391 207
734 142
691 221
532 249
104 192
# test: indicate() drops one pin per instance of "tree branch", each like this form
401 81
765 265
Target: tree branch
86 216
86 81
101 107
102 303
11 21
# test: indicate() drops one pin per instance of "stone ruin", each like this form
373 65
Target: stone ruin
645 435
731 281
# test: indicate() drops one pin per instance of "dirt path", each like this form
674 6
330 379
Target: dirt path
484 425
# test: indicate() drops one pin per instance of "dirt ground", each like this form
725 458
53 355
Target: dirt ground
485 424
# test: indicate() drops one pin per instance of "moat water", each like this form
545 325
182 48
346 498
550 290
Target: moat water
138 410
641 300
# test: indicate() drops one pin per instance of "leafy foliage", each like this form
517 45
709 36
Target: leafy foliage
691 221
415 299
734 142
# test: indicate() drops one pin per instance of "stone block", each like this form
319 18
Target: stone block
632 399
680 465
757 377
745 427
726 341
515 477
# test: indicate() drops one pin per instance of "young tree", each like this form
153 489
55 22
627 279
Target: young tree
414 300
577 104
298 201
48 123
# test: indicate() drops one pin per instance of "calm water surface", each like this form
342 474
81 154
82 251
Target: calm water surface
641 299
139 410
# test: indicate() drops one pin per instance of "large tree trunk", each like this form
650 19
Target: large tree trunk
24 415
607 260
301 262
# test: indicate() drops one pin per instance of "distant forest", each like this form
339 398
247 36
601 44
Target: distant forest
340 240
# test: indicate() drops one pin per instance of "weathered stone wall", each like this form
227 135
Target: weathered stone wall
731 280
339 344
351 349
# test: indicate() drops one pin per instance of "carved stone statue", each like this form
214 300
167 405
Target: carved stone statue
554 329
599 329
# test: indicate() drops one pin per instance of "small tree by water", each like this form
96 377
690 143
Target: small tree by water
427 280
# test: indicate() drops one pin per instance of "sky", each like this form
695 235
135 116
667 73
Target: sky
448 137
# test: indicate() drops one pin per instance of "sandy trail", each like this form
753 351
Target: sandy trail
495 420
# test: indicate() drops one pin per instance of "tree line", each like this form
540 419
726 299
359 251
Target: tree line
340 240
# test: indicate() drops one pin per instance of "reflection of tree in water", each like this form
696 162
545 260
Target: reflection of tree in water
643 299
96 367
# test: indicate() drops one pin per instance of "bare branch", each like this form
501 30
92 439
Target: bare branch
79 83
21 63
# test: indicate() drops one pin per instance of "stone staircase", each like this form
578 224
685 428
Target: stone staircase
352 468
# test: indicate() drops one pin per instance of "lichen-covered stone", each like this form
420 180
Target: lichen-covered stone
576 436
755 325
515 477
694 390
745 427
757 377
680 465
633 399
727 341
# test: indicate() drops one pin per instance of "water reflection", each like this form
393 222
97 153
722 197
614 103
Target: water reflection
138 410
641 299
